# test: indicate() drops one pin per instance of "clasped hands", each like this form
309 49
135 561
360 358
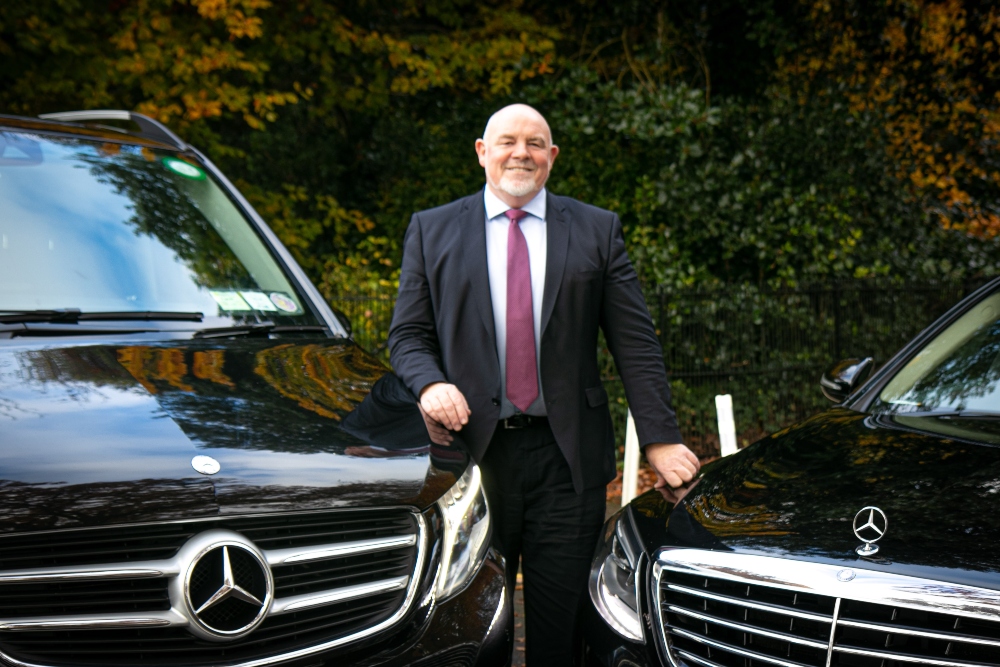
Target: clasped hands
445 409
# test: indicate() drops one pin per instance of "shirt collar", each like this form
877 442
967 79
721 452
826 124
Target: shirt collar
496 206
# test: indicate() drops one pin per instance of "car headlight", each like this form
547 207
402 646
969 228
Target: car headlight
466 529
613 585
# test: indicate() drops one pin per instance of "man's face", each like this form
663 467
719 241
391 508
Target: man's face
517 152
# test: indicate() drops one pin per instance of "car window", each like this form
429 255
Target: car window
957 374
106 227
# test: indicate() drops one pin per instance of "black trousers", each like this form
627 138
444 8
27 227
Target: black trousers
539 519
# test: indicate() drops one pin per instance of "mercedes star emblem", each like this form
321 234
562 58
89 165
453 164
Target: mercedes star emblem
870 525
206 465
228 589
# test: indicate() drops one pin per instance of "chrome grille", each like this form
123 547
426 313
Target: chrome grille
337 576
720 609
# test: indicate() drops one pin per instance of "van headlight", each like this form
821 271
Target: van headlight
466 532
613 585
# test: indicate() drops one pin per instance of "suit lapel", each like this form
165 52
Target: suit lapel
557 244
473 230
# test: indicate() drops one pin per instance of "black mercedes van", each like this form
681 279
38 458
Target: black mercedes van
198 466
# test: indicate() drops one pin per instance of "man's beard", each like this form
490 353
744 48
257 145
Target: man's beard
517 187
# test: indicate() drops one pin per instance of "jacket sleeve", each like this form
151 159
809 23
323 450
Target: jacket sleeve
628 329
414 349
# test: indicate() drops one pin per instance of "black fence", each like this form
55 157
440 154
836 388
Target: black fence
767 348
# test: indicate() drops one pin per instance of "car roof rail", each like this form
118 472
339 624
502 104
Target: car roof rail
148 127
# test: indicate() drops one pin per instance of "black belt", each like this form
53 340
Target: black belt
524 421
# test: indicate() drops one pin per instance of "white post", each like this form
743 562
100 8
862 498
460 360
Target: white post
727 425
630 474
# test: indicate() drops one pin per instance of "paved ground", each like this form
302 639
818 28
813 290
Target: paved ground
518 661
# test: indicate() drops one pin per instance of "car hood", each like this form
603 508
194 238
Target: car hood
796 493
98 434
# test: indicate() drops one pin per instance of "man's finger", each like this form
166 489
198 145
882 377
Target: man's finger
437 411
452 420
460 403
683 474
672 479
684 464
690 456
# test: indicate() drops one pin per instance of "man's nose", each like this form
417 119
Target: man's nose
521 151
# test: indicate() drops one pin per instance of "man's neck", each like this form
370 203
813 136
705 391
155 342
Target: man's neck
512 201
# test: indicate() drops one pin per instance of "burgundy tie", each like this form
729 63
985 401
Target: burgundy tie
521 367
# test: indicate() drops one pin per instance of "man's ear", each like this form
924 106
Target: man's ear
481 152
553 151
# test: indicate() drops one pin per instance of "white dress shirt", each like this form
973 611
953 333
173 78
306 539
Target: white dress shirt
533 228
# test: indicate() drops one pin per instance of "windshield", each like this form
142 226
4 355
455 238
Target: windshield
956 374
107 227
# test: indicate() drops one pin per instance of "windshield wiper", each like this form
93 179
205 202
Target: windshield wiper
75 315
258 329
952 414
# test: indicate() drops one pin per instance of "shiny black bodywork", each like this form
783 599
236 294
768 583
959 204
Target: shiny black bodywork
794 494
99 423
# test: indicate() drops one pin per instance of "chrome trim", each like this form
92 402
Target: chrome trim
152 619
665 645
760 606
833 631
411 592
309 600
697 658
882 588
738 651
277 557
885 589
902 657
42 575
749 628
914 632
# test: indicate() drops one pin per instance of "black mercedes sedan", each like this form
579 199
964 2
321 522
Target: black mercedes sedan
198 466
866 536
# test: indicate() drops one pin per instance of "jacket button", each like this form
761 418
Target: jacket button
496 401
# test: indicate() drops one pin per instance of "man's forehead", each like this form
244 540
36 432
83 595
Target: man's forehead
530 133
518 120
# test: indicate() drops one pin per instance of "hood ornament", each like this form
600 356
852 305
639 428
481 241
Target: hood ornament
870 525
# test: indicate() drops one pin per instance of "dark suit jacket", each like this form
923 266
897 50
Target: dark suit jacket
442 329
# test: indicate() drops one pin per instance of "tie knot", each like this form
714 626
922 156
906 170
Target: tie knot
515 214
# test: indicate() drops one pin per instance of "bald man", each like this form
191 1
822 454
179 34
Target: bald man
501 296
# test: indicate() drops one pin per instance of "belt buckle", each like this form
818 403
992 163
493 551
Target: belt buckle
516 422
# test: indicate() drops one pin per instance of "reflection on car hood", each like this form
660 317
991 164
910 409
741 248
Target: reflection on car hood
102 434
796 494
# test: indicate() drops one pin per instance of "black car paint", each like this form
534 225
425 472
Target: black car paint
97 434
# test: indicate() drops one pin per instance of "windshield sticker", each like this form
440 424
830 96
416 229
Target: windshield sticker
284 303
258 300
229 300
183 168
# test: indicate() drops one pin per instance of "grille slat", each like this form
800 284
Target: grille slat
175 645
714 621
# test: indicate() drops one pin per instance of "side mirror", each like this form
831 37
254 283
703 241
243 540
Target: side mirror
344 321
844 377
